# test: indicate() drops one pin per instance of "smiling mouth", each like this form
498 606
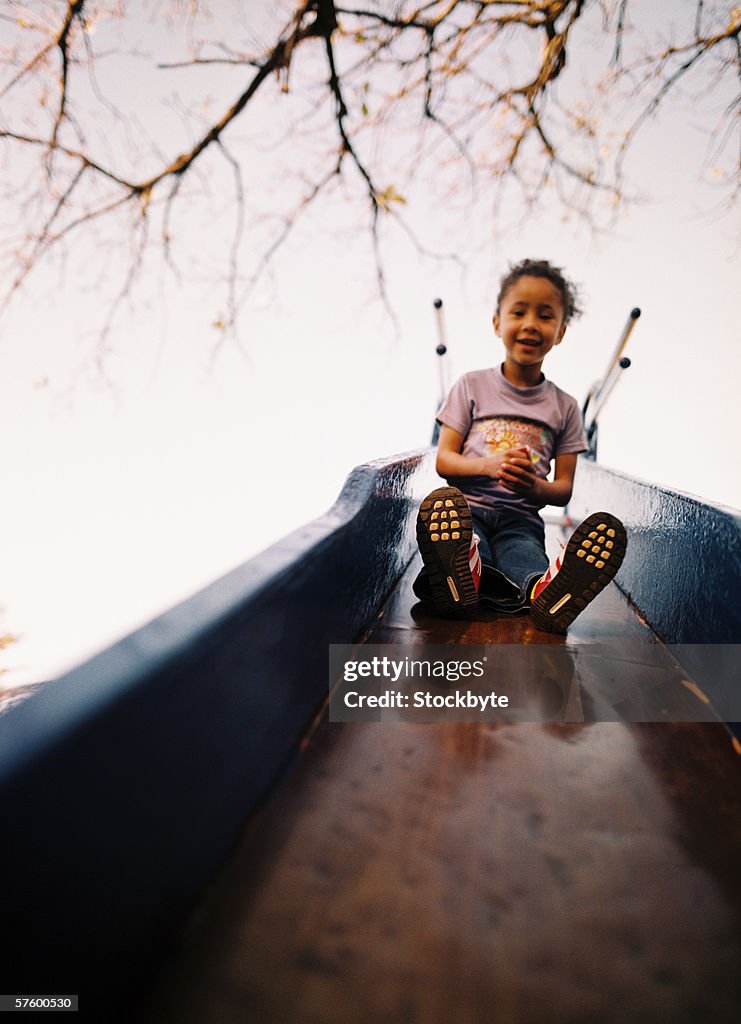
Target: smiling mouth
529 343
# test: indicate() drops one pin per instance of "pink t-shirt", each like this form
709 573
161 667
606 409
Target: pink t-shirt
493 415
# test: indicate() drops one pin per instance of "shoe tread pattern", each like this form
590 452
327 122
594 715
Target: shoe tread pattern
601 540
447 557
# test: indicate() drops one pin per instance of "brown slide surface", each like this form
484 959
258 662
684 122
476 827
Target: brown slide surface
479 872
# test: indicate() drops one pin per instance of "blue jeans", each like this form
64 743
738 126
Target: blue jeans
512 549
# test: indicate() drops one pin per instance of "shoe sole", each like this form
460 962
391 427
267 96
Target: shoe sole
445 551
592 557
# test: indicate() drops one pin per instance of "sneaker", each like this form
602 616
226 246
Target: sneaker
449 549
586 565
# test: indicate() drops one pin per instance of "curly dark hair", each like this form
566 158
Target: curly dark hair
542 268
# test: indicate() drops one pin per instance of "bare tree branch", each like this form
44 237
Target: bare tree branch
378 96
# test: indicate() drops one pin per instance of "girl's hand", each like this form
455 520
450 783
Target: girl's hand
518 472
491 465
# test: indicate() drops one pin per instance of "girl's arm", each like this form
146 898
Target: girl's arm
450 462
518 474
558 491
512 467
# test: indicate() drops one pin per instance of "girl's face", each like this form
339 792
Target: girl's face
530 321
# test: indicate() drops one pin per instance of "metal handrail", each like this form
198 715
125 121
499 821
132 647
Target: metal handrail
442 363
602 389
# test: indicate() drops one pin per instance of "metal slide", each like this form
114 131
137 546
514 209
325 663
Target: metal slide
480 872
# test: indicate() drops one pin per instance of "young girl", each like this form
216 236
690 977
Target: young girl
481 538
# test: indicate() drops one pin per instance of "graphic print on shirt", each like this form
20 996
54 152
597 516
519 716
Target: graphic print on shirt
501 433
